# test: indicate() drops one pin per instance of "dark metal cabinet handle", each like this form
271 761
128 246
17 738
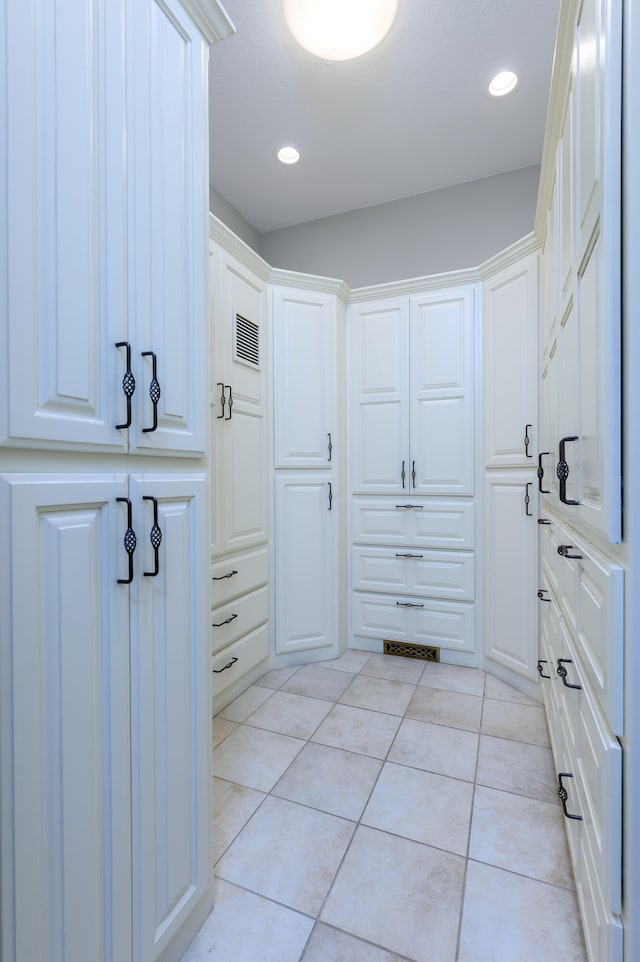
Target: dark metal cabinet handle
541 662
562 470
223 577
223 400
561 671
563 795
540 472
527 440
402 474
227 621
154 391
408 604
543 521
413 473
129 542
408 555
330 495
330 447
128 385
155 537
565 549
541 594
216 671
410 507
527 500
229 402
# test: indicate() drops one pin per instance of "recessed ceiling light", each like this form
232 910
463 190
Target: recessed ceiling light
503 83
288 155
339 29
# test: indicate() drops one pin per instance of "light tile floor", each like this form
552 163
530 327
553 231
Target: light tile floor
375 809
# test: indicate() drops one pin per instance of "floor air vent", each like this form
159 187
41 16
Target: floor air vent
409 650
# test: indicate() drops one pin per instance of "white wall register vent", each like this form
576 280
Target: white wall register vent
247 340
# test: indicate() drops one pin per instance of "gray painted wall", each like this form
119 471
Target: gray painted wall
234 220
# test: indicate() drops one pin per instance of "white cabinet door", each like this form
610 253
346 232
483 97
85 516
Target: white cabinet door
441 381
379 443
304 389
170 666
510 321
306 563
511 566
63 270
64 736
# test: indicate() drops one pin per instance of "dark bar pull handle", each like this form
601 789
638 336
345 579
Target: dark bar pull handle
129 542
330 447
223 400
128 385
543 521
408 555
330 495
410 507
563 795
402 474
155 537
229 402
216 671
541 662
413 473
561 671
408 604
227 621
541 594
565 551
223 577
540 472
527 500
154 391
562 469
527 440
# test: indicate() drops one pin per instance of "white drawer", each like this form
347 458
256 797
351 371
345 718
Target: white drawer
603 932
239 658
238 617
436 574
428 523
446 624
241 574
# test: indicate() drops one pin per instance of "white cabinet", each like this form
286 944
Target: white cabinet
412 394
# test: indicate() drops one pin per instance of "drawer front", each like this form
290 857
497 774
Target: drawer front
445 624
235 619
603 932
237 659
435 523
436 574
235 577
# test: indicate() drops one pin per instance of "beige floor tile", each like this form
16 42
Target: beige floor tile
517 767
436 748
358 730
221 728
276 677
330 779
507 918
523 835
255 758
290 714
245 704
288 853
378 694
521 723
502 692
351 661
450 708
414 906
331 945
233 806
395 668
245 928
318 682
422 806
468 681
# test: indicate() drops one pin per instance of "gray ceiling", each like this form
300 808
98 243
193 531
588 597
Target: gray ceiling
412 115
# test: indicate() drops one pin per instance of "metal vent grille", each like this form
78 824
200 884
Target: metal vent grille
247 340
408 650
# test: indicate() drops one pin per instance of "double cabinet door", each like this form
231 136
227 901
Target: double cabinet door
412 394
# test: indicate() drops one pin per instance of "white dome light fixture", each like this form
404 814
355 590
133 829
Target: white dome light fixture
339 29
503 83
288 155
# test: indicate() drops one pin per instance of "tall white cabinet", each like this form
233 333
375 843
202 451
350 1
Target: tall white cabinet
104 711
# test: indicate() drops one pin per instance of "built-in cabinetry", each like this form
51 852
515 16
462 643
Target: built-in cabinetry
104 715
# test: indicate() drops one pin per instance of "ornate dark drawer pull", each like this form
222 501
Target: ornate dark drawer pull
561 671
540 472
223 400
541 595
230 574
128 385
410 507
402 474
229 402
227 621
527 440
544 520
564 549
330 447
408 604
129 542
527 500
330 495
562 470
155 537
563 795
408 555
154 391
216 671
541 662
413 473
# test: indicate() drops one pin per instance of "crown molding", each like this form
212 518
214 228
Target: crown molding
212 19
311 282
219 233
529 244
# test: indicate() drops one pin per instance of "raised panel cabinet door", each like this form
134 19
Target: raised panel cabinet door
511 572
63 269
243 509
167 208
170 716
306 562
441 398
64 737
379 349
510 365
304 388
240 337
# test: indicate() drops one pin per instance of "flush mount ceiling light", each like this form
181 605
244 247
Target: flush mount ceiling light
503 83
288 155
339 29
